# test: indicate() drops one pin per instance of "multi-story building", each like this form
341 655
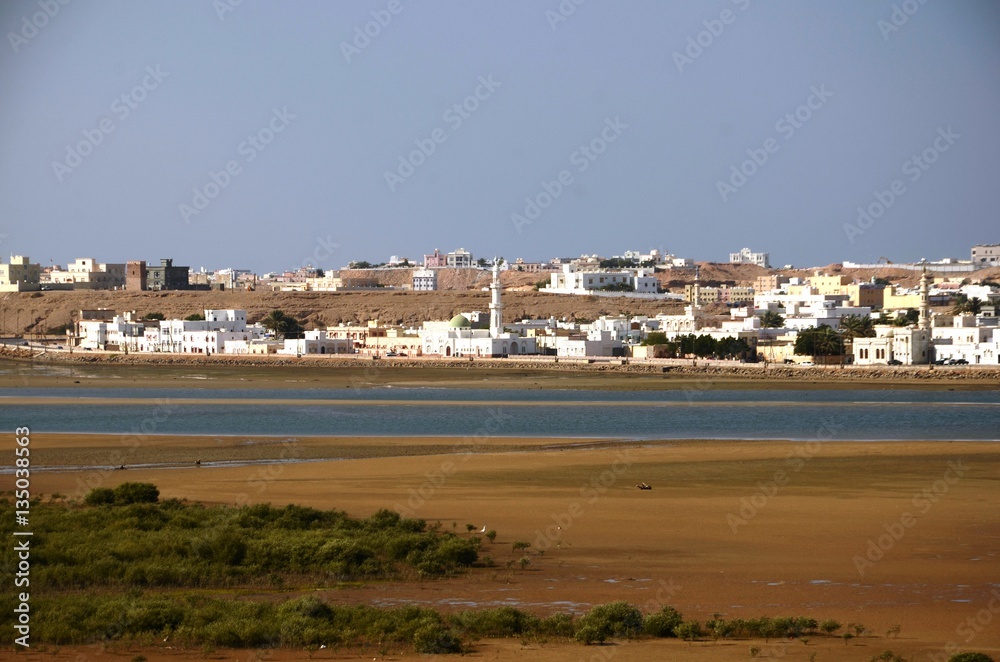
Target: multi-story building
86 273
436 260
986 255
425 280
459 259
769 283
572 280
135 275
166 276
746 256
20 275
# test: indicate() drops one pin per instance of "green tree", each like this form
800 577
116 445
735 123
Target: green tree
772 320
857 326
964 304
282 325
821 341
655 338
196 317
153 316
704 345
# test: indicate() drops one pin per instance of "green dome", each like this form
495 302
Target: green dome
460 322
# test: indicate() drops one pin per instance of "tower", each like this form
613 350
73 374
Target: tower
925 312
496 307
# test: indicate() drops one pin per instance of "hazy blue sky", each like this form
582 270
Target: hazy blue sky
115 115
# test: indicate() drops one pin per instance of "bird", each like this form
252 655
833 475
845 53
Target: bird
483 530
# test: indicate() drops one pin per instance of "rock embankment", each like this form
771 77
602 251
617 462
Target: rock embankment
688 368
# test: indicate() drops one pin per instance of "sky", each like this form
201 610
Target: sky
263 135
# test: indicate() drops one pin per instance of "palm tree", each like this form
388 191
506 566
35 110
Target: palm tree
772 320
964 304
857 326
282 325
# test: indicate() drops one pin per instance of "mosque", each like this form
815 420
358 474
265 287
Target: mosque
458 338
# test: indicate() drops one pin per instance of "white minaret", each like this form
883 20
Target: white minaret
925 311
496 308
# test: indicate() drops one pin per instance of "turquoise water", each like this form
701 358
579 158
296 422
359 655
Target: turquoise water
672 414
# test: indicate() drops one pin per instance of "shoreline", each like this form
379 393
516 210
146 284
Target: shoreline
258 372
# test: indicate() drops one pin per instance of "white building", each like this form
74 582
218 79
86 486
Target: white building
317 342
425 280
573 280
966 337
807 309
746 256
908 345
208 336
459 259
122 333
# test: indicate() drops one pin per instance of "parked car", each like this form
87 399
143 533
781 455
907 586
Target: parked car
894 362
960 362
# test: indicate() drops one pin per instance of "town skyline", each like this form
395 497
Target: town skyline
817 133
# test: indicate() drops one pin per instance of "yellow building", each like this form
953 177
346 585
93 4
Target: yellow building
866 295
830 284
894 301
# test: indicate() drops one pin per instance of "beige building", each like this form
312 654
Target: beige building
986 255
20 275
86 273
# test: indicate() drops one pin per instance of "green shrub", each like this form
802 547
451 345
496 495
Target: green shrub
688 630
614 619
499 622
886 656
557 625
971 656
436 639
100 496
662 623
128 493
